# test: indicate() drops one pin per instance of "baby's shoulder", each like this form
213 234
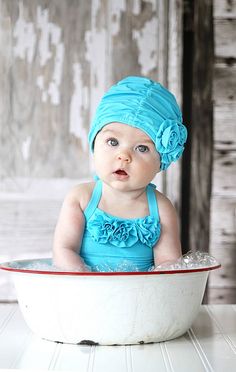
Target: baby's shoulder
80 194
165 206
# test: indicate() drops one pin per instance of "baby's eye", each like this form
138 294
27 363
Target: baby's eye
112 142
142 148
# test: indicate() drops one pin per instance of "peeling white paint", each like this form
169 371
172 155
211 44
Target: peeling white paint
96 51
44 26
96 54
54 85
154 5
50 36
136 10
40 84
25 149
25 36
79 102
147 44
47 37
136 7
116 9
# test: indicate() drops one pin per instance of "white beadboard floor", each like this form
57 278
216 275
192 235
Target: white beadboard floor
210 345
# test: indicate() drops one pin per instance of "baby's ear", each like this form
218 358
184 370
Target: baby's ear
159 163
159 170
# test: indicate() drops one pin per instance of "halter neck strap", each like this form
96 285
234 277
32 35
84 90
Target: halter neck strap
152 201
97 193
94 200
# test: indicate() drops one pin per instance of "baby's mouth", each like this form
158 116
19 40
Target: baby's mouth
121 172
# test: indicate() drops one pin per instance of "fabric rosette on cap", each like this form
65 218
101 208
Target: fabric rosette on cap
170 139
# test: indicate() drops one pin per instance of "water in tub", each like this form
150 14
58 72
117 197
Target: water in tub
189 261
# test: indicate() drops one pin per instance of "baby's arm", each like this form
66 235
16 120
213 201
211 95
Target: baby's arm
69 233
168 248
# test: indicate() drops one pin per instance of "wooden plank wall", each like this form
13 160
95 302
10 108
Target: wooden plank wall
57 58
201 126
223 204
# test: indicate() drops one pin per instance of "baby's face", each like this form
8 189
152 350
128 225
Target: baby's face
125 157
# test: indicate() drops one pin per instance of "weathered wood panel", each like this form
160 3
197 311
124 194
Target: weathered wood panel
224 84
221 295
222 283
26 225
224 173
174 82
224 126
26 231
46 111
201 127
225 38
223 224
224 9
225 276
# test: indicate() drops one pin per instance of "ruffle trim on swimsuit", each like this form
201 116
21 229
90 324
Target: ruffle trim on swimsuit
104 228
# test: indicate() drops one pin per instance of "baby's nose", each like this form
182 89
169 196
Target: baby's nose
124 156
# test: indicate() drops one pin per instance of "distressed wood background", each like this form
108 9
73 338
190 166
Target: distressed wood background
56 60
223 202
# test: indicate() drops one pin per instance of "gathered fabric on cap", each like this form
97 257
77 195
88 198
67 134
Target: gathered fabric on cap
147 105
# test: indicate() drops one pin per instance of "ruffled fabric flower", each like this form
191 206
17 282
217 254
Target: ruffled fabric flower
170 140
117 232
148 230
123 233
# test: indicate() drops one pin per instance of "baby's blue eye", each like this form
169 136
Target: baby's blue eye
142 148
112 142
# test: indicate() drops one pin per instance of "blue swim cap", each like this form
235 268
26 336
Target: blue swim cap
144 104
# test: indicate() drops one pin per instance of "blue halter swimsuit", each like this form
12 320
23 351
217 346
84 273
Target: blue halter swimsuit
117 244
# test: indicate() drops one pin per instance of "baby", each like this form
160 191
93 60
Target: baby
121 222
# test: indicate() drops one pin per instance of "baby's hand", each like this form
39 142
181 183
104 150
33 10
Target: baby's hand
166 265
87 268
82 268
